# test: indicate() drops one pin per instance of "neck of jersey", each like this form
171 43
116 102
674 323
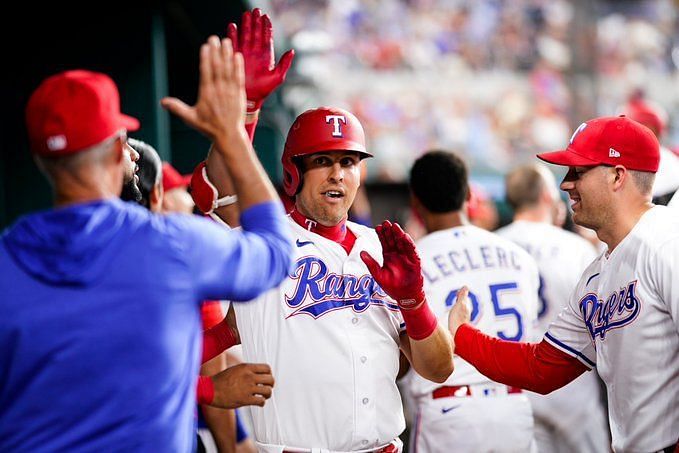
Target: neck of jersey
337 233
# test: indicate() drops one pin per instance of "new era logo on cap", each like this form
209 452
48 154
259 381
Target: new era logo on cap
56 142
609 141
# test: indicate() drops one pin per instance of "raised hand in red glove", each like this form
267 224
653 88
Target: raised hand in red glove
401 277
401 274
255 42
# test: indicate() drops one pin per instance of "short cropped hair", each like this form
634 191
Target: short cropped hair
523 186
439 181
150 169
643 180
52 166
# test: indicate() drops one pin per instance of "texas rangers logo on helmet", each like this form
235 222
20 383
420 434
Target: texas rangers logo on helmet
336 120
620 309
318 292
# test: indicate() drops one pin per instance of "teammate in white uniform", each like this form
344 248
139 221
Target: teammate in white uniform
623 316
503 281
561 256
330 332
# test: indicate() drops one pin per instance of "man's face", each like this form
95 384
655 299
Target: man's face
177 200
329 184
131 190
588 190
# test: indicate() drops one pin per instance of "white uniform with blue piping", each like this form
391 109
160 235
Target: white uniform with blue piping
623 318
331 336
470 412
561 257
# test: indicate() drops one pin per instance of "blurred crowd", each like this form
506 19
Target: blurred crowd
495 81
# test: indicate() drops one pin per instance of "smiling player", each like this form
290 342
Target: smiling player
623 316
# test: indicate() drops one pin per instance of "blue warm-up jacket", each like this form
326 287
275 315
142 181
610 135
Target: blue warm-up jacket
100 326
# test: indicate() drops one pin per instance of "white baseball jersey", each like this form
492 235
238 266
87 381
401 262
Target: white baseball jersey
667 177
503 288
331 336
561 257
503 291
623 318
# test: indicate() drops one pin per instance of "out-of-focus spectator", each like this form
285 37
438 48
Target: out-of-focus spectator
495 81
655 118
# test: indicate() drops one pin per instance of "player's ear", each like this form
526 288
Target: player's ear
619 175
156 197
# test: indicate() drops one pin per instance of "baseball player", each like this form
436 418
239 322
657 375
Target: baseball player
503 280
623 316
561 257
331 332
333 329
97 355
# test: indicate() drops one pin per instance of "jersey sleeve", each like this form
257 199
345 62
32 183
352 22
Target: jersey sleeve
569 334
663 272
538 367
238 264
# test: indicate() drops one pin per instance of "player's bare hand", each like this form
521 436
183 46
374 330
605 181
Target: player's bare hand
220 108
247 384
401 273
254 40
459 314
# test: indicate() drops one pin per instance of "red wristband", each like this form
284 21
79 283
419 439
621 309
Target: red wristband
217 340
205 391
420 321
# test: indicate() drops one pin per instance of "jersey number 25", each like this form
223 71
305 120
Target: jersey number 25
500 312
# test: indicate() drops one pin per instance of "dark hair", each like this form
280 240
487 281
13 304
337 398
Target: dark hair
150 169
439 181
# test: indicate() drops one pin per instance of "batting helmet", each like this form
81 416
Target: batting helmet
318 130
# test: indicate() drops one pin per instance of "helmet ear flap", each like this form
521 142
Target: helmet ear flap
291 178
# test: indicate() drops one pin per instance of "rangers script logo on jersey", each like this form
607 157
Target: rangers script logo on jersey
620 309
318 292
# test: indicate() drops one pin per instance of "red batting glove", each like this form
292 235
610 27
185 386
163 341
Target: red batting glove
401 277
255 42
401 274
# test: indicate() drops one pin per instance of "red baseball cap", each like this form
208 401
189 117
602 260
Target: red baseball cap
611 140
173 179
74 110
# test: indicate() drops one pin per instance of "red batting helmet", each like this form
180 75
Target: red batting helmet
315 131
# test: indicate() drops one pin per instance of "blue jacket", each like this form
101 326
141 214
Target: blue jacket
100 326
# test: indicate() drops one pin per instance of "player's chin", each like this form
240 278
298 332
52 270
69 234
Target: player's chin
332 215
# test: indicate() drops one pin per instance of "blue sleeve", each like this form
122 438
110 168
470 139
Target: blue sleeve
241 433
239 265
